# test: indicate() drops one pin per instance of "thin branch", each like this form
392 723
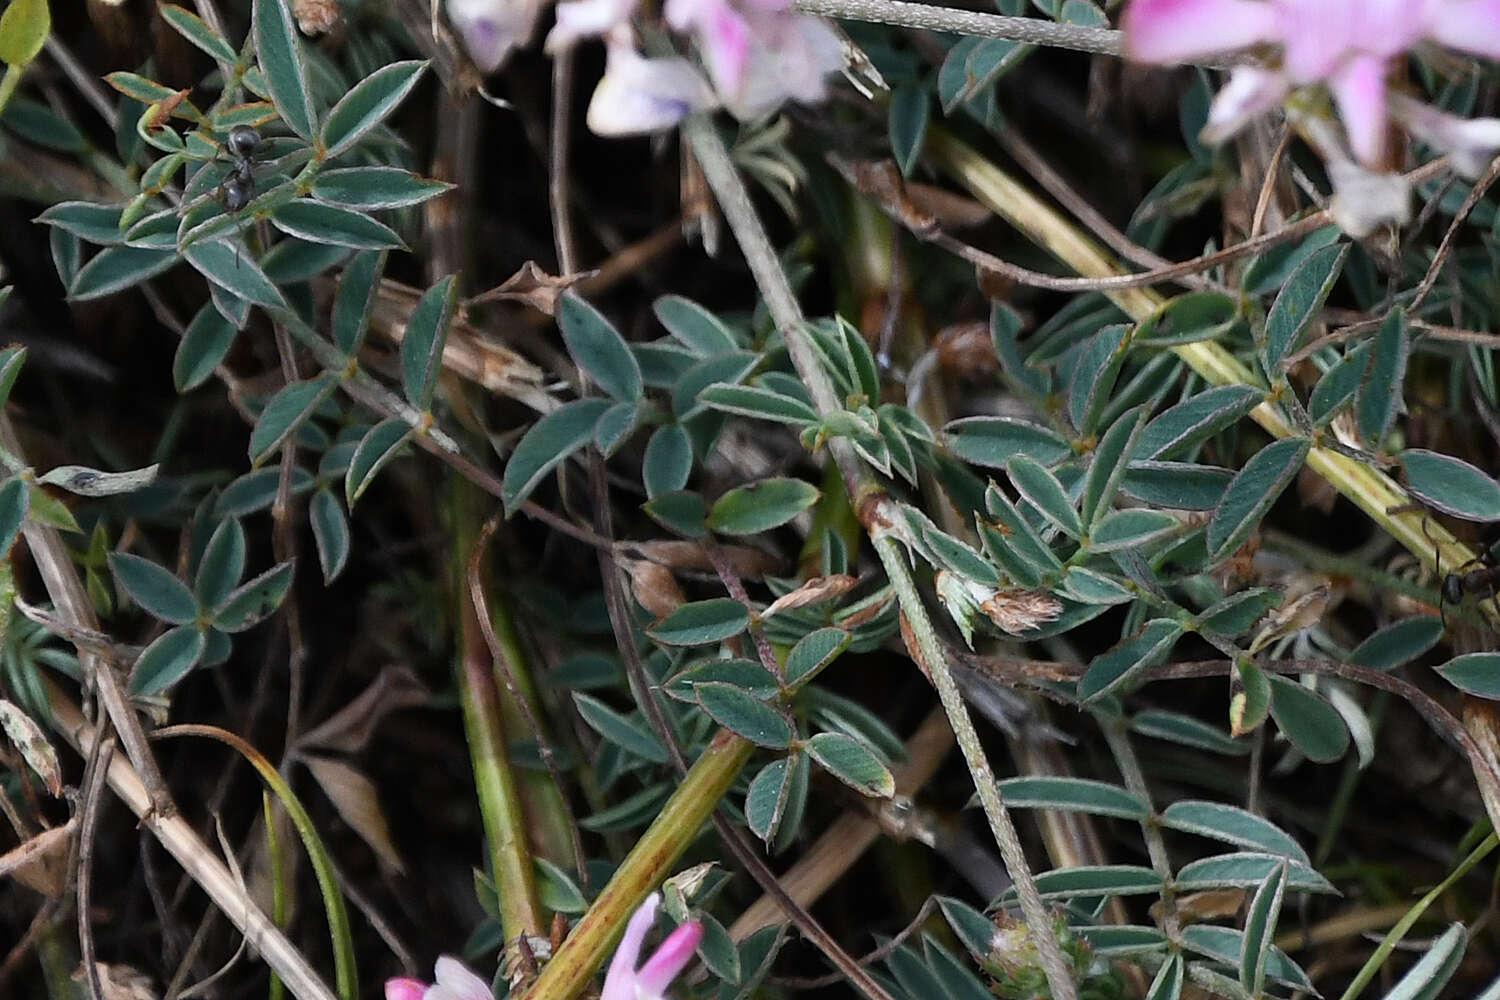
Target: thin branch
1446 246
1030 30
867 498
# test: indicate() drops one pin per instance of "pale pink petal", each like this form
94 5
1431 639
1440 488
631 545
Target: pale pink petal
724 40
1364 199
584 18
404 988
1249 93
1165 31
1471 143
638 95
1467 25
620 981
791 57
669 959
456 982
1359 90
490 29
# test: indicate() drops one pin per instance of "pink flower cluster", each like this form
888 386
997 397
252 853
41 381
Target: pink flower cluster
623 981
758 54
1349 46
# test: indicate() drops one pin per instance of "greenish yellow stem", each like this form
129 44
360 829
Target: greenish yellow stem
1370 489
650 861
345 975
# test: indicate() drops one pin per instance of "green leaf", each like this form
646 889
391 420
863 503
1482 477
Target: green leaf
376 448
1108 464
88 220
14 502
743 714
1299 302
717 949
699 623
747 675
422 343
24 28
317 222
1426 979
286 411
1251 705
1338 385
1168 982
1092 587
668 460
1120 940
1188 319
852 762
167 660
1252 492
958 983
617 729
1260 927
375 187
256 490
813 653
281 62
699 330
355 301
154 588
1098 880
1179 485
255 601
368 104
222 565
599 349
992 441
1448 484
1132 529
757 507
1182 427
1476 673
681 511
1234 615
114 269
1225 944
549 442
1098 798
292 261
1147 648
615 426
1043 491
232 271
1187 731
757 403
908 124
957 556
1095 370
330 533
731 366
1247 870
1380 392
1398 643
974 929
1232 825
1308 720
191 27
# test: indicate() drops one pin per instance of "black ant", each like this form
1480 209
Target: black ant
1482 583
238 186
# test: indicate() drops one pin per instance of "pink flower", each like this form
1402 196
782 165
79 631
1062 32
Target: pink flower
454 982
760 53
1347 45
579 19
639 95
624 981
491 28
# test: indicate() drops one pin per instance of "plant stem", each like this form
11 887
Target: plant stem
868 497
1031 30
653 856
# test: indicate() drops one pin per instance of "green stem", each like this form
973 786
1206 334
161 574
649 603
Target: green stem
652 858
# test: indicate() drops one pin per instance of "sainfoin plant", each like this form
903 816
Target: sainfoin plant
582 537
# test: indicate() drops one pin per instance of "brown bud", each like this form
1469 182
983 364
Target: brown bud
1016 611
814 591
654 587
